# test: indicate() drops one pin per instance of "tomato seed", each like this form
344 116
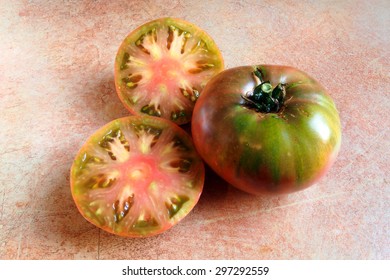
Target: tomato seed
169 38
112 156
120 211
182 165
151 222
125 60
132 80
184 92
176 203
99 181
178 114
179 145
195 70
151 110
108 183
139 44
185 40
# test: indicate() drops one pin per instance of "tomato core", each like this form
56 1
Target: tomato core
166 74
140 172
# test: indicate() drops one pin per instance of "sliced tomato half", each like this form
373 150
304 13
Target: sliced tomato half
137 176
162 67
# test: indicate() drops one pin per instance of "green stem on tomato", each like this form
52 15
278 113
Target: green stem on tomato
264 98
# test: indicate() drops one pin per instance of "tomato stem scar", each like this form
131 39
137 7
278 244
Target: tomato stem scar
264 98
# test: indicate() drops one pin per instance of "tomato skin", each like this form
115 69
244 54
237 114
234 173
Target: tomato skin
259 152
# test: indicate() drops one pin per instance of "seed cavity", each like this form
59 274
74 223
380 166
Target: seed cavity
190 93
121 209
100 181
139 44
185 40
179 145
131 100
88 159
151 110
177 40
143 131
170 36
201 65
175 203
182 165
145 222
199 45
110 137
132 80
153 33
112 156
178 115
142 128
125 61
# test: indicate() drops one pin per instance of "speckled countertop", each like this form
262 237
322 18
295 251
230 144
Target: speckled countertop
56 88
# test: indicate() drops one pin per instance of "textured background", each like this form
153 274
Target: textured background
56 88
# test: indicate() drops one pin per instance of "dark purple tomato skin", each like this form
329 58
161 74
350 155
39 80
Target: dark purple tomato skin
280 152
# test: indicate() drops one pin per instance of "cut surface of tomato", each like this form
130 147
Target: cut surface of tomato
137 176
162 67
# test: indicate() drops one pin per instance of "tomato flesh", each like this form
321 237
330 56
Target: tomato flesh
162 67
137 176
279 152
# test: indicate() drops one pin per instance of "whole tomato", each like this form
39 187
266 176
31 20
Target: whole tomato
266 128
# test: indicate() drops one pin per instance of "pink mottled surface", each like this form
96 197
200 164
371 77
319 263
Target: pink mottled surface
56 88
